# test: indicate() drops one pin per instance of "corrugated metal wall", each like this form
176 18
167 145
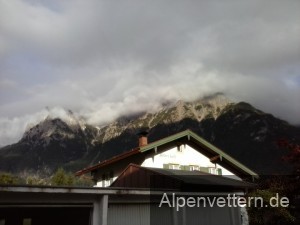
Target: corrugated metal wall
161 216
213 216
143 214
129 214
139 214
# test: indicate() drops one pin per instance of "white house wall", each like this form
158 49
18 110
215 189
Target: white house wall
105 183
182 156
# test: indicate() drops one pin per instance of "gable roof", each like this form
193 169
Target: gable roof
189 137
184 137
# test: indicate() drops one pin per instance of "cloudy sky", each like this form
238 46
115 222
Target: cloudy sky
104 58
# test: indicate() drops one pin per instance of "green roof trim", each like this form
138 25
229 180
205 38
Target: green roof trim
191 135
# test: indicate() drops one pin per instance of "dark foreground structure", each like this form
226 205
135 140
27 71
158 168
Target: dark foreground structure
37 205
33 205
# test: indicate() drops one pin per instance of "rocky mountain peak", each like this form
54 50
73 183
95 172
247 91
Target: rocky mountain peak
74 120
47 130
206 107
52 128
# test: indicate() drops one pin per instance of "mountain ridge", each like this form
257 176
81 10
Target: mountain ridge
244 132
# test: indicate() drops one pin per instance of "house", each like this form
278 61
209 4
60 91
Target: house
180 179
182 151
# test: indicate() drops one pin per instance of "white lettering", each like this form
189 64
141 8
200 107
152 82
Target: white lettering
165 200
284 202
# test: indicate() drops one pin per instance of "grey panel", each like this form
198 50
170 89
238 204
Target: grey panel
129 214
161 215
143 214
212 216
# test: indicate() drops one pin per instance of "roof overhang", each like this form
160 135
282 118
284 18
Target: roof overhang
108 162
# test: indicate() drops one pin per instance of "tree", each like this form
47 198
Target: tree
62 178
293 182
283 185
7 178
268 215
293 156
84 181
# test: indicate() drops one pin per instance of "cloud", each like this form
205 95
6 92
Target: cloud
104 59
12 129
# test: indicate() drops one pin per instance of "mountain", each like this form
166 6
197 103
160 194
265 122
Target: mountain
48 145
244 132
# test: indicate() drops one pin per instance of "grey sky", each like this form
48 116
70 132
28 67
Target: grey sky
103 59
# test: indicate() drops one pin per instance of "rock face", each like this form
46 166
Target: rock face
246 133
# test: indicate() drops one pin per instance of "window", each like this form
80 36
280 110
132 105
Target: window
171 166
180 148
211 170
216 171
174 166
193 167
184 167
204 169
166 166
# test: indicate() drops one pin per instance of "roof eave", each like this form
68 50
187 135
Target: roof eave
107 162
